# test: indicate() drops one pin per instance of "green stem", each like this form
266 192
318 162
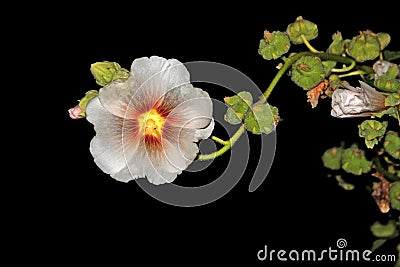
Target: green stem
289 62
309 46
219 140
379 168
226 147
356 72
344 69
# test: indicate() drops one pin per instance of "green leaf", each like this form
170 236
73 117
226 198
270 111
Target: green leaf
389 81
378 243
85 100
384 39
260 119
364 47
391 144
392 100
274 45
392 111
301 27
238 105
394 195
231 117
388 85
354 161
275 114
307 72
391 55
387 230
372 131
392 72
332 158
106 72
338 44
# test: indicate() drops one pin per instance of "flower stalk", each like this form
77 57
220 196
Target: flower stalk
225 148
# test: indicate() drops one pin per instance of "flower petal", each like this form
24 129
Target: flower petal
116 139
158 176
114 98
150 79
149 164
179 148
356 101
206 132
130 172
346 103
195 109
154 168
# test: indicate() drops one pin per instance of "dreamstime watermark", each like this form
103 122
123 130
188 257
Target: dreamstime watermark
235 81
337 253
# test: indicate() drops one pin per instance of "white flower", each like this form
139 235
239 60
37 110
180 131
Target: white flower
357 101
148 124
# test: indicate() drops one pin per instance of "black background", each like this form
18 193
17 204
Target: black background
84 216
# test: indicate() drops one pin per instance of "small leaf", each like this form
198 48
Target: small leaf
387 230
372 131
384 39
337 45
392 111
386 76
231 117
392 100
387 84
391 144
328 66
394 195
332 158
364 47
260 119
238 105
354 161
391 55
307 72
301 27
274 45
392 72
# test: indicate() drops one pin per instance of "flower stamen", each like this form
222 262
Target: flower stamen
151 123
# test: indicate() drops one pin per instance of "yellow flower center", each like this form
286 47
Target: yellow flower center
151 123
